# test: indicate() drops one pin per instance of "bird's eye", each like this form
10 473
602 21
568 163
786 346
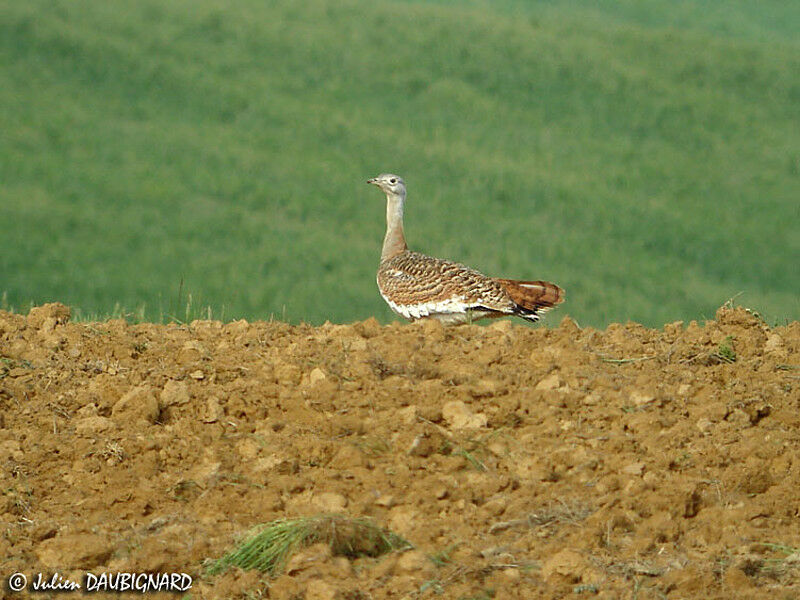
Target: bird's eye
393 181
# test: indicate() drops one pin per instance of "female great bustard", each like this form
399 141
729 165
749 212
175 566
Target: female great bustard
417 286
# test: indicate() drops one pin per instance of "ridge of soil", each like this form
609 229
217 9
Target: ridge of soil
519 462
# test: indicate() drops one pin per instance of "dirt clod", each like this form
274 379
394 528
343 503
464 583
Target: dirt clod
532 463
139 404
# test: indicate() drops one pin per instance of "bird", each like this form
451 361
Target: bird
417 286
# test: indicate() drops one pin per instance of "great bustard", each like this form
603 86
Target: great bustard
417 286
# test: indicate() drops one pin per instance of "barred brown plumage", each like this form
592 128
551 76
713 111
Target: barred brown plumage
417 286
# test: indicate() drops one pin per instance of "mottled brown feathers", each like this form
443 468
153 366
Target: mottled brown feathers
417 286
414 278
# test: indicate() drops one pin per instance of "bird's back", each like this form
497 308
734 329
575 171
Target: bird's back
416 285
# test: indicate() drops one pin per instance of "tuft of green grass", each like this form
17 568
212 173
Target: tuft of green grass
725 352
6 364
268 547
443 558
476 463
373 445
788 558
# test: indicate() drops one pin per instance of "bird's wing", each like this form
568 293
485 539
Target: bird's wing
417 285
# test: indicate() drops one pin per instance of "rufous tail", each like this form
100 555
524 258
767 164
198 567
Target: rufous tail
533 295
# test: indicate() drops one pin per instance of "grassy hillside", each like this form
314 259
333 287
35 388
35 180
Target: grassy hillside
647 161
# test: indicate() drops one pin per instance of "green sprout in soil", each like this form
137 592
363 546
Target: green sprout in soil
471 459
789 559
725 352
268 547
443 558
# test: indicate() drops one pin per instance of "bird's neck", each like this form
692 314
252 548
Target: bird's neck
394 242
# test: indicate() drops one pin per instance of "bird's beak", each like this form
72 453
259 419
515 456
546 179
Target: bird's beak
373 181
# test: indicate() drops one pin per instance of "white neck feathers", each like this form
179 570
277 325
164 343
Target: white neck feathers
394 242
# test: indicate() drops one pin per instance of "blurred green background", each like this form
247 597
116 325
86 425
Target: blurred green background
174 159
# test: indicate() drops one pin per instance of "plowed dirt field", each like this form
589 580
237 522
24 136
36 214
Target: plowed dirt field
520 463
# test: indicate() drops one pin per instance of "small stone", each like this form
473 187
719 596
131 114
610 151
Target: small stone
174 392
44 531
757 481
551 382
248 448
105 391
93 424
11 449
425 444
39 315
407 415
502 326
704 424
792 559
739 418
190 353
213 411
569 325
287 374
317 375
496 506
403 520
386 500
534 469
413 561
139 404
485 388
433 329
238 327
74 551
592 399
198 374
736 579
347 457
344 568
636 469
650 479
314 554
458 416
498 448
357 344
565 566
432 413
609 483
329 502
640 397
774 345
369 328
317 589
384 567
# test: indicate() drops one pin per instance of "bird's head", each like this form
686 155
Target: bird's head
390 184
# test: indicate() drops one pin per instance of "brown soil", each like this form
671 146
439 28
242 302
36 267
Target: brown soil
521 463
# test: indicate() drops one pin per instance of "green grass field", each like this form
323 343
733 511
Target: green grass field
643 155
